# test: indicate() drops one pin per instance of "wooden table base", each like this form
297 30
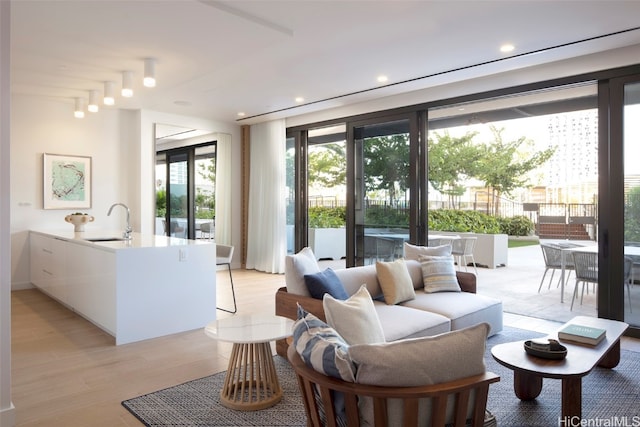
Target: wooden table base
251 382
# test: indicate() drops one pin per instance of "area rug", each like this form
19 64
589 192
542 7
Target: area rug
609 397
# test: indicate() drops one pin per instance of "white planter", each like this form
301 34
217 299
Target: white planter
328 243
491 250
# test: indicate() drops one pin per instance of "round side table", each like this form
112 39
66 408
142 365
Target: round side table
251 382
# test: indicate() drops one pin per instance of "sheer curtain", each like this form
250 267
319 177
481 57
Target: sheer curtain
223 189
266 228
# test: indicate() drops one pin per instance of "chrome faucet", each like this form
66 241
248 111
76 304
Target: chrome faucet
128 230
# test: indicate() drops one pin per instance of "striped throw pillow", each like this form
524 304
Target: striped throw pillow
321 347
439 274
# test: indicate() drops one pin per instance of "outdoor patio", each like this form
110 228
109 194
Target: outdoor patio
517 286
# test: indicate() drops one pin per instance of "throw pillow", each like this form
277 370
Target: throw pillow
415 252
295 267
355 319
321 347
395 281
422 361
439 274
325 282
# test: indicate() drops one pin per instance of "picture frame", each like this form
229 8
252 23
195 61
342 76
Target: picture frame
66 181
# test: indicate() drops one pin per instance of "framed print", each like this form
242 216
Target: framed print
67 181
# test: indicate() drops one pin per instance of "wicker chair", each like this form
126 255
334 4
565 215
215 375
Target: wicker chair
447 398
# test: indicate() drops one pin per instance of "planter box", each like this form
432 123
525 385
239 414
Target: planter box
328 243
491 250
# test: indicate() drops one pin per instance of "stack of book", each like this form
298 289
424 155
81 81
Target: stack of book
582 334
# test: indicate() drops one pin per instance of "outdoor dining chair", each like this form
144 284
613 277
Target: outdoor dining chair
462 251
586 269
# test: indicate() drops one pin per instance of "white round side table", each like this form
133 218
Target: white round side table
251 382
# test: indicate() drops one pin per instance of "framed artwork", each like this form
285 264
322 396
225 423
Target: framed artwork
67 181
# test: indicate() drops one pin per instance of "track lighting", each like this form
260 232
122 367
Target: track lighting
149 72
127 84
78 112
108 93
93 101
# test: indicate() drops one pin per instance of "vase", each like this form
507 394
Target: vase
78 221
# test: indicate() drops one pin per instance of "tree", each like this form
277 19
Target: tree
504 166
326 165
452 160
386 164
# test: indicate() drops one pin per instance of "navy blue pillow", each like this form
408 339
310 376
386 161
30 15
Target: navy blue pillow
325 282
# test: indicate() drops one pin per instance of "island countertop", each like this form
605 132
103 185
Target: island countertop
138 240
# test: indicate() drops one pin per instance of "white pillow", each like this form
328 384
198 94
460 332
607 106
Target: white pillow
355 319
395 281
415 252
295 267
439 274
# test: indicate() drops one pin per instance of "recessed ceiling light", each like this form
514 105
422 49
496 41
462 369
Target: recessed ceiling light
299 99
182 103
507 47
241 114
382 78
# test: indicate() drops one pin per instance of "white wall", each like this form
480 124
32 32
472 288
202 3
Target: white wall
120 143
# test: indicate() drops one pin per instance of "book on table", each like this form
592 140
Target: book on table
582 334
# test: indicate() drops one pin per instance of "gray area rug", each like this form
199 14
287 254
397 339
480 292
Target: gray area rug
610 397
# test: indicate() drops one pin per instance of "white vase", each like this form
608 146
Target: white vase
78 221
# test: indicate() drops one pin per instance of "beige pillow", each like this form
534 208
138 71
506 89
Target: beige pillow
395 281
355 319
439 274
415 252
422 361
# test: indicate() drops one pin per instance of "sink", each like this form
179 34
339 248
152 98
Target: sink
105 239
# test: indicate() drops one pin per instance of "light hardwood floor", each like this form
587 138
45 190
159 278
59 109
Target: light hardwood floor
68 373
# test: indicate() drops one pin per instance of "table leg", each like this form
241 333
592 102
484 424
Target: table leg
612 357
251 382
571 397
526 386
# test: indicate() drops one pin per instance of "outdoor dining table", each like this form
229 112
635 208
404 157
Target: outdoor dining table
564 252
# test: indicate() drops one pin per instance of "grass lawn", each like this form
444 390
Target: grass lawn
520 243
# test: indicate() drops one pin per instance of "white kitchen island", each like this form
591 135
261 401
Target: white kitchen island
144 288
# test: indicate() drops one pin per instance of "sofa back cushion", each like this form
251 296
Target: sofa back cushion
354 277
295 267
415 252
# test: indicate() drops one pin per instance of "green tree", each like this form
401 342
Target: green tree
386 164
452 160
327 165
632 216
504 165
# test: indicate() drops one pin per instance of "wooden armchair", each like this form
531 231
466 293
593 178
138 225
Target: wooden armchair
447 398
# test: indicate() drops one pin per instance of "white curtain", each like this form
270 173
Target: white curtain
223 189
267 243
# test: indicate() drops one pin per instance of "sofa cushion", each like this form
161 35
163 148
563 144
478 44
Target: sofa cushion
354 277
321 347
400 322
295 267
463 309
355 319
414 252
395 281
325 282
439 274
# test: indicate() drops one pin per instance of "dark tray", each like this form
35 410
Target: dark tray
559 352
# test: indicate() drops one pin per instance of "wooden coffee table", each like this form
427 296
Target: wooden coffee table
251 382
528 371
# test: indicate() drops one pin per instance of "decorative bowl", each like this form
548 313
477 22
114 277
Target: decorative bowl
555 350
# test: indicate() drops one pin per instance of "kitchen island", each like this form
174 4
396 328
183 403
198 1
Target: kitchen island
146 287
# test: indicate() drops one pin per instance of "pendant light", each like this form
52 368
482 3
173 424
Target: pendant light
149 72
108 93
127 84
78 112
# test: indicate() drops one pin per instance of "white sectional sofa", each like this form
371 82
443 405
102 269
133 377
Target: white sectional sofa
425 315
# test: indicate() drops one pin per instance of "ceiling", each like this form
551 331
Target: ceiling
215 59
